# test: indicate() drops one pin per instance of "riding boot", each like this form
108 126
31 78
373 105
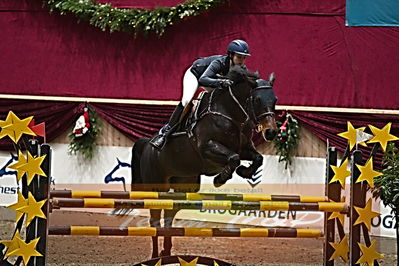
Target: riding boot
160 140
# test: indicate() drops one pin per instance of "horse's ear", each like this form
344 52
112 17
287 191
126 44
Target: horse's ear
272 77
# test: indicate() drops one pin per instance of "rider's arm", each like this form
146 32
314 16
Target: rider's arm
208 78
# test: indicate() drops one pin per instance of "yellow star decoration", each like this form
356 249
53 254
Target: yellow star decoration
367 173
185 263
18 247
350 135
159 263
33 209
341 249
30 165
15 127
341 173
382 135
15 166
21 203
29 206
339 216
215 263
11 244
369 254
365 215
26 250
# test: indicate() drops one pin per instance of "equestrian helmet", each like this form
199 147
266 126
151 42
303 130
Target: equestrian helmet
238 47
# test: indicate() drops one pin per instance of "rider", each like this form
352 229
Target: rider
204 72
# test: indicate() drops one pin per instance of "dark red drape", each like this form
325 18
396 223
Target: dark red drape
58 116
326 126
318 61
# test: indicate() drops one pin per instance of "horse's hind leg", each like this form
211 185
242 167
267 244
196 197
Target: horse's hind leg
168 217
155 221
219 153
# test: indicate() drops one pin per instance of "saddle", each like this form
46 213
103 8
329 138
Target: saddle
191 116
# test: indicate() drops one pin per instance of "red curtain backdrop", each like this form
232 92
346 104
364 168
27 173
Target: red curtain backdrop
318 61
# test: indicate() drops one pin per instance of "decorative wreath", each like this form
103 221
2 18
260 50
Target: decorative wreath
85 134
287 139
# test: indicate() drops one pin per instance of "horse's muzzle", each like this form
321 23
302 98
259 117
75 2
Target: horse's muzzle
269 134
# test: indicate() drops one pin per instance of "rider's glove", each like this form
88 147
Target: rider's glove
225 83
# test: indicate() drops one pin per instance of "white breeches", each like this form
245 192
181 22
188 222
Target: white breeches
190 86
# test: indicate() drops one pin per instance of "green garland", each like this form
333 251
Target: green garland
387 185
104 16
86 144
287 139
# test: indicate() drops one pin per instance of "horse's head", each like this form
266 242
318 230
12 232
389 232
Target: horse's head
262 102
260 98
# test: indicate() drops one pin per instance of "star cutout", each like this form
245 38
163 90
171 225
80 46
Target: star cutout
12 244
339 216
365 215
341 173
185 263
159 263
15 127
367 173
15 166
382 136
33 209
21 203
369 254
30 165
341 249
351 135
26 250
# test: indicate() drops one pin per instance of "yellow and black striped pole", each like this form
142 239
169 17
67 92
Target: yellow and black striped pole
185 231
200 204
76 194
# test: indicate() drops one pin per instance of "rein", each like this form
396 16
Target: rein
240 125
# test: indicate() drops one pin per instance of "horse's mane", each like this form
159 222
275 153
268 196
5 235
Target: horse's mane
237 73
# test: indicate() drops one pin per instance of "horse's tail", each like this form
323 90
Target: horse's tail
137 150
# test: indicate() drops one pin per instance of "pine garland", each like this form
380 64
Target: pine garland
106 17
85 145
287 139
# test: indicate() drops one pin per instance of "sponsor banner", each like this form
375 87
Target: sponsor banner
8 180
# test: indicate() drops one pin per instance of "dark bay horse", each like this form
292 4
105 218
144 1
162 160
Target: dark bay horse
220 138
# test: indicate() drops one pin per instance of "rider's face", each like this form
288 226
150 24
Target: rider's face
239 59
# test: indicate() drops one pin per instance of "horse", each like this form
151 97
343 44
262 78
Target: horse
220 137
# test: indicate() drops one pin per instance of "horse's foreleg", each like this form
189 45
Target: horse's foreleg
168 216
155 221
219 153
250 154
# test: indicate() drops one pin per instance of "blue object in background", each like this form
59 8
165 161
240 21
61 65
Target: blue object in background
372 13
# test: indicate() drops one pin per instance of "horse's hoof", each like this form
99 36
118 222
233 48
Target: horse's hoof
219 181
164 253
244 172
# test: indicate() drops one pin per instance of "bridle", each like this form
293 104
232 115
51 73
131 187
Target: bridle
248 116
257 118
